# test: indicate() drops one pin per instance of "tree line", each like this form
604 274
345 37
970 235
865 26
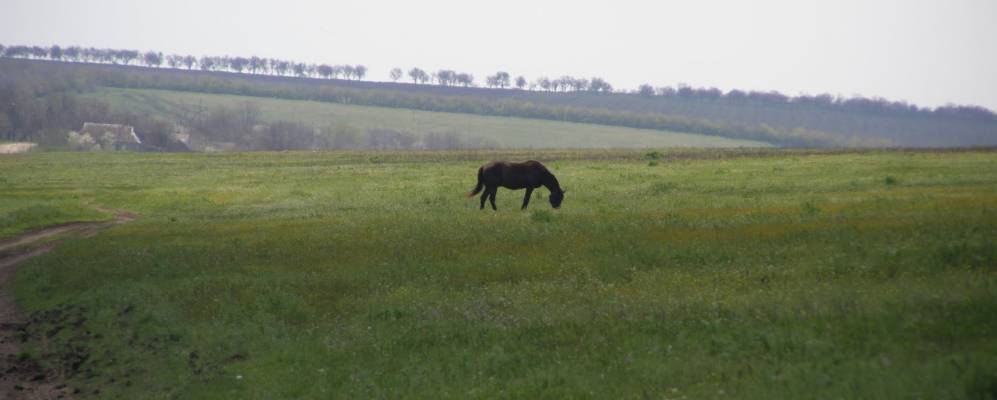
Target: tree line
824 100
821 120
450 78
42 106
278 67
250 65
96 75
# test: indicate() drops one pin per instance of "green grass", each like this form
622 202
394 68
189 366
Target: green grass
505 131
361 275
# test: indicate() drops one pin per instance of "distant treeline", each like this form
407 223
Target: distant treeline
801 121
851 120
42 106
445 77
251 65
255 65
39 108
89 75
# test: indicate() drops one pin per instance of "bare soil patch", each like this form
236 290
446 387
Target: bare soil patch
14 148
22 376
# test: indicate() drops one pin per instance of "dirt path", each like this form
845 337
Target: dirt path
14 148
23 378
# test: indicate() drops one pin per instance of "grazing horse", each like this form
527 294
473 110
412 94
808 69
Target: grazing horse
527 175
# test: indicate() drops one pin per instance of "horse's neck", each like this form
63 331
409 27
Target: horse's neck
551 183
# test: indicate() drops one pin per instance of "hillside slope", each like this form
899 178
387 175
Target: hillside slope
45 77
802 121
508 132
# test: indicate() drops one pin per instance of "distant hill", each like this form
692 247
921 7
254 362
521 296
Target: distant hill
817 121
48 100
463 130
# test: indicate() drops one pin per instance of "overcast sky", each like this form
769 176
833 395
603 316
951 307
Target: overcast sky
927 52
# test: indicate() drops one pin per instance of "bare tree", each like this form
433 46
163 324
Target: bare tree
544 83
445 77
104 55
12 51
281 67
174 60
325 71
39 52
465 79
152 59
238 64
55 53
73 53
126 56
579 84
396 74
207 63
90 54
360 71
299 69
500 79
189 61
520 82
255 64
600 85
418 75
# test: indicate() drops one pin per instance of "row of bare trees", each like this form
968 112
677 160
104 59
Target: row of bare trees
279 67
446 77
251 65
502 80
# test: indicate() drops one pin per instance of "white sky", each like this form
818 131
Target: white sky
927 52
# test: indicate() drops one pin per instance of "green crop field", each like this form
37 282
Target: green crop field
506 132
680 274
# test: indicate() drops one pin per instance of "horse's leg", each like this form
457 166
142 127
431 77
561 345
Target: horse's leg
484 197
492 198
526 199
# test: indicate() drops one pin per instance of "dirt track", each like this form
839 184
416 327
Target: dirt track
22 377
15 148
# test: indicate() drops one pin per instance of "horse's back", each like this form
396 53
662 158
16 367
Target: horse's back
513 175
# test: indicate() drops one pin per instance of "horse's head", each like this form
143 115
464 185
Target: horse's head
556 197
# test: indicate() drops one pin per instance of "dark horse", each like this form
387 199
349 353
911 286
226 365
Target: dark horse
516 175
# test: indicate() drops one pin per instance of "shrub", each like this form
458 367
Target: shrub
82 142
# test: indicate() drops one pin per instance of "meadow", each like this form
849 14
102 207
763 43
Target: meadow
505 132
666 274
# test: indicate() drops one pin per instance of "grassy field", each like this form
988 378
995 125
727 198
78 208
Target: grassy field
506 132
699 274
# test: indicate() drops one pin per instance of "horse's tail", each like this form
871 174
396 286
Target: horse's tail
479 186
